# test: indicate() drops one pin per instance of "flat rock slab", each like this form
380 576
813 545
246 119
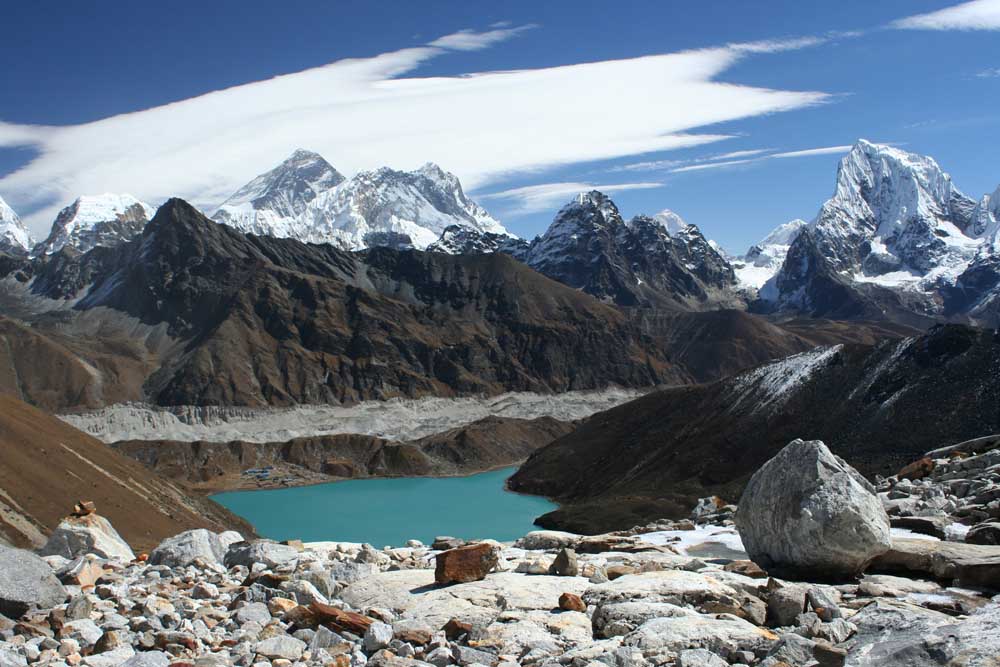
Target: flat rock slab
413 595
965 564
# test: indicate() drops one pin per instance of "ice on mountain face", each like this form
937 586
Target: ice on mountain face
307 199
458 240
766 388
14 235
673 223
269 204
101 220
985 220
765 258
894 212
895 220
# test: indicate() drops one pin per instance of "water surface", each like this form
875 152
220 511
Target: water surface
391 511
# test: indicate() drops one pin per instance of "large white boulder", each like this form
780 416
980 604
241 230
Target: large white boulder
77 536
806 512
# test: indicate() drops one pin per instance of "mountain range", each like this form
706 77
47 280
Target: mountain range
897 240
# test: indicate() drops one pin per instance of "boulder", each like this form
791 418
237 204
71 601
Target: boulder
77 536
26 581
183 549
984 533
975 565
269 553
699 657
465 564
806 512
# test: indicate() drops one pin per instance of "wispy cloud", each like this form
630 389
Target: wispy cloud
827 150
470 40
661 165
806 152
364 113
988 73
975 15
711 165
545 196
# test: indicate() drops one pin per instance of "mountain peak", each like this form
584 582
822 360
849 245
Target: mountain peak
286 189
673 223
97 220
14 235
306 199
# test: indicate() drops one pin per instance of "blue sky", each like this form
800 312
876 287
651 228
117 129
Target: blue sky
825 74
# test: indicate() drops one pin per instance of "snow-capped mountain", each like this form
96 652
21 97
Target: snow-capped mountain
765 257
896 234
100 220
14 237
307 199
270 204
459 240
645 261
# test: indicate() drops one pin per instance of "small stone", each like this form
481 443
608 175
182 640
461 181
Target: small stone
747 568
824 606
377 636
565 564
204 591
256 612
699 657
455 628
572 602
465 564
281 647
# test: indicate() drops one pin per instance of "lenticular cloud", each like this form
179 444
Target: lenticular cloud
364 113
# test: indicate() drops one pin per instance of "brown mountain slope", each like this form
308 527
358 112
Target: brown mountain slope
265 321
880 407
482 445
194 312
46 466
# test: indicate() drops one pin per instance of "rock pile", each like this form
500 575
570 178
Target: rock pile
642 598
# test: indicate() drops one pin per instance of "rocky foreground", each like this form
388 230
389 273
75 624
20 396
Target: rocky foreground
676 593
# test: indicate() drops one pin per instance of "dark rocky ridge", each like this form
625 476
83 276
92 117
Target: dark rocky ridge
273 322
482 445
194 312
635 263
878 406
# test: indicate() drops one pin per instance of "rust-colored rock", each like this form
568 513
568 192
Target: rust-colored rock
464 564
747 568
572 602
917 470
615 571
84 508
340 620
455 628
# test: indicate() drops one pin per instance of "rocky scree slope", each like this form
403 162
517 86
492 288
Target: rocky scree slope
640 598
265 321
46 466
656 455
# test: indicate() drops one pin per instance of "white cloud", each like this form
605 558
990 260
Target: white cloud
363 113
989 73
711 165
975 15
470 40
827 150
545 196
700 165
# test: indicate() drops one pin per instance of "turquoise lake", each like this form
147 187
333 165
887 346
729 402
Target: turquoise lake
390 511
